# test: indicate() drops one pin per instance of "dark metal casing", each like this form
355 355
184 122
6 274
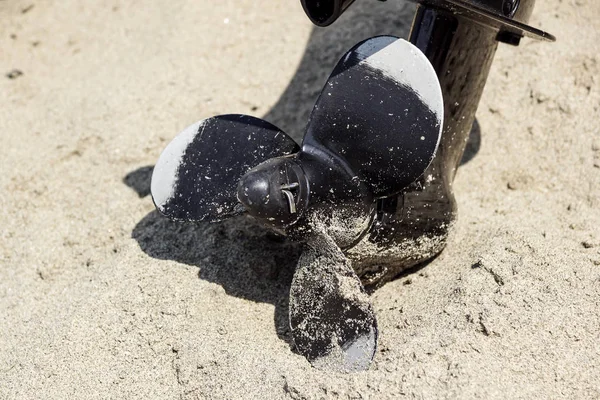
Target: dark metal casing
460 39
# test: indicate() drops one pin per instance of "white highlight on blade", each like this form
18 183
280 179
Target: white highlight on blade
403 62
353 357
164 176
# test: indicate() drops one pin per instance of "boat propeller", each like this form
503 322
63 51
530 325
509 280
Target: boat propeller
373 131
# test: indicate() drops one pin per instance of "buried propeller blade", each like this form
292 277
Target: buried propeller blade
332 321
196 176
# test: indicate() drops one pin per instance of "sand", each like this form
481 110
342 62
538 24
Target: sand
102 298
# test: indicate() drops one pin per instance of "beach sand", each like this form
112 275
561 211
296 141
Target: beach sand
102 298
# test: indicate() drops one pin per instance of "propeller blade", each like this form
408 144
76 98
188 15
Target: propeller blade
381 112
196 176
331 318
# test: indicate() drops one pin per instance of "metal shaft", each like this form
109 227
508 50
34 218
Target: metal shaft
461 52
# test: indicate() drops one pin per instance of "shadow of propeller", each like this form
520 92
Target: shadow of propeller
247 260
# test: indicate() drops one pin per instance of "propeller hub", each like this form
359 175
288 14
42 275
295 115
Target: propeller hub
275 192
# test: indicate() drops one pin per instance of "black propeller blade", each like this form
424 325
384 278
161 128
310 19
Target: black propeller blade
381 113
374 130
196 176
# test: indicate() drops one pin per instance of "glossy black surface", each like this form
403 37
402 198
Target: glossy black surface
461 52
325 12
209 167
275 192
381 129
517 10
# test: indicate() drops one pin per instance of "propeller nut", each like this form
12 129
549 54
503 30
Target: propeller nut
275 191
